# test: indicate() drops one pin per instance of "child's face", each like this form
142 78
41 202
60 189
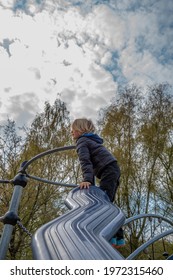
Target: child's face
75 133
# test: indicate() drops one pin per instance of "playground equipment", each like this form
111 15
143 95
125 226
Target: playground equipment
81 233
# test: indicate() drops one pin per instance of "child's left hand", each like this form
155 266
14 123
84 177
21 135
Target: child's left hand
84 185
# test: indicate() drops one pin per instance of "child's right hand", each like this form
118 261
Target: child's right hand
84 185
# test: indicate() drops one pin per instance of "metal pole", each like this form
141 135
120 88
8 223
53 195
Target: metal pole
8 228
10 218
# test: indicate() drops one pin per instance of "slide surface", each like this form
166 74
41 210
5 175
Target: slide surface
83 233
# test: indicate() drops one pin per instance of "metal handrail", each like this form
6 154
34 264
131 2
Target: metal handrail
5 181
148 243
51 182
27 163
153 239
129 220
48 152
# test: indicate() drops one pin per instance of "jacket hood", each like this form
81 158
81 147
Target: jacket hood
93 137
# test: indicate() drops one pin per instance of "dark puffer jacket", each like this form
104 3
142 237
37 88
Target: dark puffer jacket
93 156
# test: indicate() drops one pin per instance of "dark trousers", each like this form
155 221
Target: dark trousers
109 179
109 182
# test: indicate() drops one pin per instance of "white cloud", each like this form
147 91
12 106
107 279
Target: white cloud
82 51
141 60
22 108
107 27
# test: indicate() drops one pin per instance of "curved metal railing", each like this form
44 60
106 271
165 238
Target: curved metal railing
152 240
129 220
43 154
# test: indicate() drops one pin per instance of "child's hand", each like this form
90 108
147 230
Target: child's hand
84 185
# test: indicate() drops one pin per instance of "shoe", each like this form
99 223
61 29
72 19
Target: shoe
120 243
117 243
113 241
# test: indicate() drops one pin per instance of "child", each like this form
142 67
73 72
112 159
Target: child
97 161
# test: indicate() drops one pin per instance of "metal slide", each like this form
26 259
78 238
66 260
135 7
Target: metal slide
84 232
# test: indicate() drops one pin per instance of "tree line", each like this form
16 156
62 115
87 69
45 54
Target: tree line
137 128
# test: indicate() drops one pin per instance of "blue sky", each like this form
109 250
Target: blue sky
80 51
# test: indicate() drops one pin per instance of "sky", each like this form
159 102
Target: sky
81 52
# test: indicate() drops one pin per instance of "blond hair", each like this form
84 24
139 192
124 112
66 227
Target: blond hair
83 125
